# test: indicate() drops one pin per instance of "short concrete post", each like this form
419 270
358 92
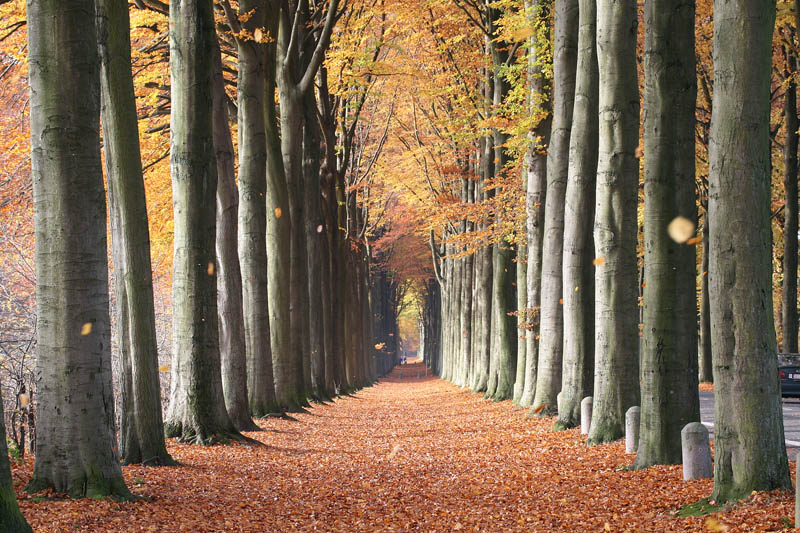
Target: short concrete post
586 415
696 452
558 402
632 429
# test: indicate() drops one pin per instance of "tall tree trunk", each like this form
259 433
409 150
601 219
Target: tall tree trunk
578 282
522 333
504 271
789 286
252 216
551 329
196 410
316 249
669 350
232 341
535 195
142 426
278 227
706 368
75 442
616 376
749 448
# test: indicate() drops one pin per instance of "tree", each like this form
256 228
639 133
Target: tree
294 79
232 343
578 281
76 445
536 168
669 351
250 92
142 425
551 329
790 225
196 410
616 374
749 448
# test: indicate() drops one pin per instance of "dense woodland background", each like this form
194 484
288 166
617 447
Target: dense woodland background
462 178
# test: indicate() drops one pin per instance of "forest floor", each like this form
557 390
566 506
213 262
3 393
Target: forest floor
409 454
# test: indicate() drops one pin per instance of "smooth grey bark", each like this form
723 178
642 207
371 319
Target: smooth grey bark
749 448
789 285
536 168
504 331
232 344
11 520
75 440
669 338
196 410
706 371
252 215
551 328
616 375
316 249
522 332
141 422
483 282
578 281
278 224
295 76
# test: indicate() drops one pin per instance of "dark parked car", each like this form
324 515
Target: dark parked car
789 372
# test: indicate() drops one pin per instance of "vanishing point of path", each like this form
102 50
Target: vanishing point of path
409 454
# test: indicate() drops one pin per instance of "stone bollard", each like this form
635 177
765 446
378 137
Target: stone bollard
632 417
696 452
586 415
558 402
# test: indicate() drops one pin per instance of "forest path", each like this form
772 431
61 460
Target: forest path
409 454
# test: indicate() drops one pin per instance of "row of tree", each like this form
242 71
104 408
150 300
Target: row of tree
551 314
273 287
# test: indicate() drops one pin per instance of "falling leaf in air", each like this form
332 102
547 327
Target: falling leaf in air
598 261
319 228
258 35
395 449
86 329
163 368
211 268
694 240
680 229
278 212
540 408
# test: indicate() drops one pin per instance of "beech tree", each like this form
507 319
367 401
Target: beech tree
142 426
196 410
669 350
616 374
250 92
232 343
749 448
578 283
76 444
538 14
551 328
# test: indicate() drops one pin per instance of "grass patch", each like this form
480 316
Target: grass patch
699 508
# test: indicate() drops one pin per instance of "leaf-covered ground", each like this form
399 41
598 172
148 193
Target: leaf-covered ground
410 454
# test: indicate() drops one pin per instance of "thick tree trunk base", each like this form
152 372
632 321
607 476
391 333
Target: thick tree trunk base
89 484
